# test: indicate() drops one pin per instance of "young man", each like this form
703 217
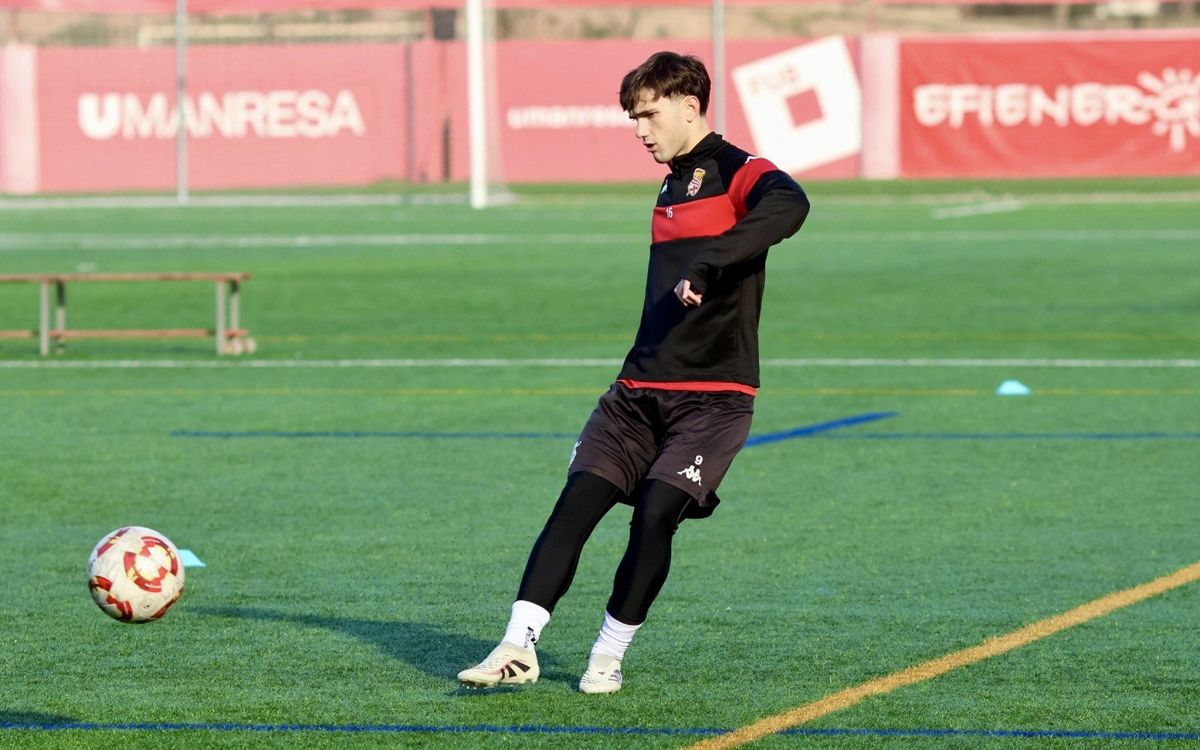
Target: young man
663 436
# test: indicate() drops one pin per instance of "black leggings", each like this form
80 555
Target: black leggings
585 499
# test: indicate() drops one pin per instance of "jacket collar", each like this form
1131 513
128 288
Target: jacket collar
707 146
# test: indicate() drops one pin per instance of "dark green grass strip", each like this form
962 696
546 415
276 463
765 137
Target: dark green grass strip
1033 734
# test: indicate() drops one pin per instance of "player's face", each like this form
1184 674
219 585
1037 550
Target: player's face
664 124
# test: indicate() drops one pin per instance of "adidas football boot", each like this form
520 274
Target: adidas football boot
508 664
603 675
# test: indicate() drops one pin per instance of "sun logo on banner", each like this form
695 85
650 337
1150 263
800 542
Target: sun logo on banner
1175 102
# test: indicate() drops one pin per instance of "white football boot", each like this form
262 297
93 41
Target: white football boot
508 664
603 675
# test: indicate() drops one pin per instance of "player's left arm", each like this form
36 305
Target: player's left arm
775 208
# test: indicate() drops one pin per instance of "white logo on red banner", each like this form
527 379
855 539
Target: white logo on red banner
234 114
559 117
1170 102
803 106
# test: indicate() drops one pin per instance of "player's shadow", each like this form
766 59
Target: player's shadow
433 650
13 719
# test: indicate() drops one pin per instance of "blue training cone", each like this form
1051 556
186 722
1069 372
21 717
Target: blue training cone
189 559
1013 388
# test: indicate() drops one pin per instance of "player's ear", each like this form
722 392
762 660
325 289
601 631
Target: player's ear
691 108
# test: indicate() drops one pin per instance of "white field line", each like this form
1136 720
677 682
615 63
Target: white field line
168 364
977 209
942 362
452 198
1043 199
81 241
1005 235
294 241
230 201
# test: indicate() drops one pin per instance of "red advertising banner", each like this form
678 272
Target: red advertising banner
216 6
279 6
1030 106
260 116
796 102
257 116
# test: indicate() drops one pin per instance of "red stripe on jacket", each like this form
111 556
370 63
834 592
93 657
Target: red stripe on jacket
707 217
744 180
703 386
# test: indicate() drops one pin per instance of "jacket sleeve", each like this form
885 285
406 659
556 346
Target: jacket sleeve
776 207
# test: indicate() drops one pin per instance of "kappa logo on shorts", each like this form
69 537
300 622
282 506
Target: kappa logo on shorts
692 472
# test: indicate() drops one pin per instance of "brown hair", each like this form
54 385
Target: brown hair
667 74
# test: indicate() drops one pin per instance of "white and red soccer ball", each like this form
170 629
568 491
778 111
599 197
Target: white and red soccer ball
135 574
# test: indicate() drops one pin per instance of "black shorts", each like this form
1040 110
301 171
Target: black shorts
687 439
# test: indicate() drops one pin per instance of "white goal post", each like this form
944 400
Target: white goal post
477 104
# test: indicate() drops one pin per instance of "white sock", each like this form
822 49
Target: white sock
615 637
525 626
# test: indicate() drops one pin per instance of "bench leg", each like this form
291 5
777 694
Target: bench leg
60 314
244 344
235 305
220 329
44 320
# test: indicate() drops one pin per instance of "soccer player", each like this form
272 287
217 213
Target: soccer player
665 433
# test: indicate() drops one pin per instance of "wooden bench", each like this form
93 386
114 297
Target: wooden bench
231 338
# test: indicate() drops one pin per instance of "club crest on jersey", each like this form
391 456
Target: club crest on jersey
694 185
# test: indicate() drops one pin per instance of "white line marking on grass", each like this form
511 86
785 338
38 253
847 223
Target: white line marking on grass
1057 199
88 241
1006 205
1098 197
1005 235
1053 363
289 241
231 201
925 671
252 364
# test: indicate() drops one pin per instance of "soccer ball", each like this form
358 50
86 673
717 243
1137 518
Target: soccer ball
135 575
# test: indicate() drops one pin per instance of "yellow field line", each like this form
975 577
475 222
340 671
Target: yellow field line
937 667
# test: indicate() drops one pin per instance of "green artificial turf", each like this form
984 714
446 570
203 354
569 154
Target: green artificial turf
365 522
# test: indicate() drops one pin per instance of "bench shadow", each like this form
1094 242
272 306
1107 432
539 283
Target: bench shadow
431 649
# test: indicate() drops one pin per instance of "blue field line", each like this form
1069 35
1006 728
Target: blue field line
1069 734
816 429
771 437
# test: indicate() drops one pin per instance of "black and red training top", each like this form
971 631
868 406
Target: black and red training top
718 212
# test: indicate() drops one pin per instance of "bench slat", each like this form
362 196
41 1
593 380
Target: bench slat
15 278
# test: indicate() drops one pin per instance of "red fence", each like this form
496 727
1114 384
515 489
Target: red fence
880 106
